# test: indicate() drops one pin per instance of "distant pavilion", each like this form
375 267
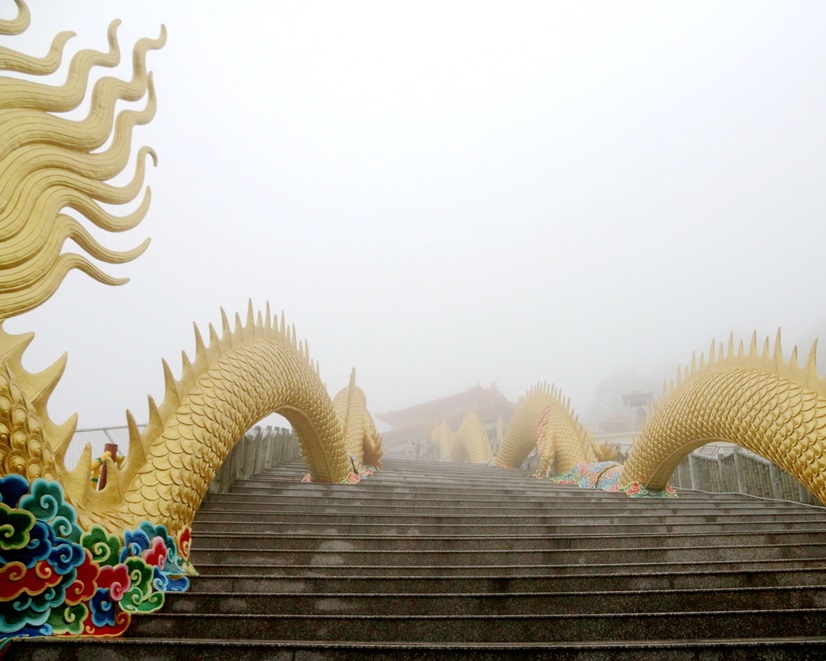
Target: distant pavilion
415 424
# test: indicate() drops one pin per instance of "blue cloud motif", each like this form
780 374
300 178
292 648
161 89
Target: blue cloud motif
165 583
47 501
13 617
102 608
135 543
65 556
67 529
12 489
41 542
51 597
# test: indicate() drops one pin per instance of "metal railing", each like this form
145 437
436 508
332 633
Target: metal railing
735 470
256 450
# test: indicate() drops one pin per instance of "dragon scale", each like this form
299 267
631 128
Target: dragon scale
471 441
758 401
561 440
362 441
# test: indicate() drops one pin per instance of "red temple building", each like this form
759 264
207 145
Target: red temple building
414 424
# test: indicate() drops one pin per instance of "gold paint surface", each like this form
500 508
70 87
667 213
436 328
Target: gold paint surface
759 401
561 441
361 440
471 441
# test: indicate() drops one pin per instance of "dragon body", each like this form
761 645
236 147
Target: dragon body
755 399
562 441
361 440
48 164
470 442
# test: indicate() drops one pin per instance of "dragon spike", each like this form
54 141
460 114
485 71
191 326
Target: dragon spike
702 361
238 333
753 346
60 436
731 346
793 366
39 386
113 481
679 376
283 327
665 383
259 323
137 451
172 394
187 374
226 333
778 354
135 437
76 481
268 319
693 362
741 351
201 355
155 420
766 353
307 350
812 377
250 325
353 378
13 352
214 342
711 352
294 336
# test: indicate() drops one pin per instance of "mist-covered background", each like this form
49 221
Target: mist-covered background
450 193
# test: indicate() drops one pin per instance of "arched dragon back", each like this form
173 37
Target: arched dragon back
520 436
471 441
361 440
759 401
562 441
49 163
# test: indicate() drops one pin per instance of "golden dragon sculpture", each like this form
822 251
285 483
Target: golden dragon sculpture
361 440
774 407
756 399
49 163
75 559
545 421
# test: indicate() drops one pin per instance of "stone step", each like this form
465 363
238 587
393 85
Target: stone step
338 528
652 507
331 558
497 543
429 560
760 648
482 628
481 580
498 603
536 489
645 519
603 565
483 489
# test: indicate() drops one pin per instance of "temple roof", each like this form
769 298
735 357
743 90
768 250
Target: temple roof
483 400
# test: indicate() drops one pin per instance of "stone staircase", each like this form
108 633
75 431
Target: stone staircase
447 561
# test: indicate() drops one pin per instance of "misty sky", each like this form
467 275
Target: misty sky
450 193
